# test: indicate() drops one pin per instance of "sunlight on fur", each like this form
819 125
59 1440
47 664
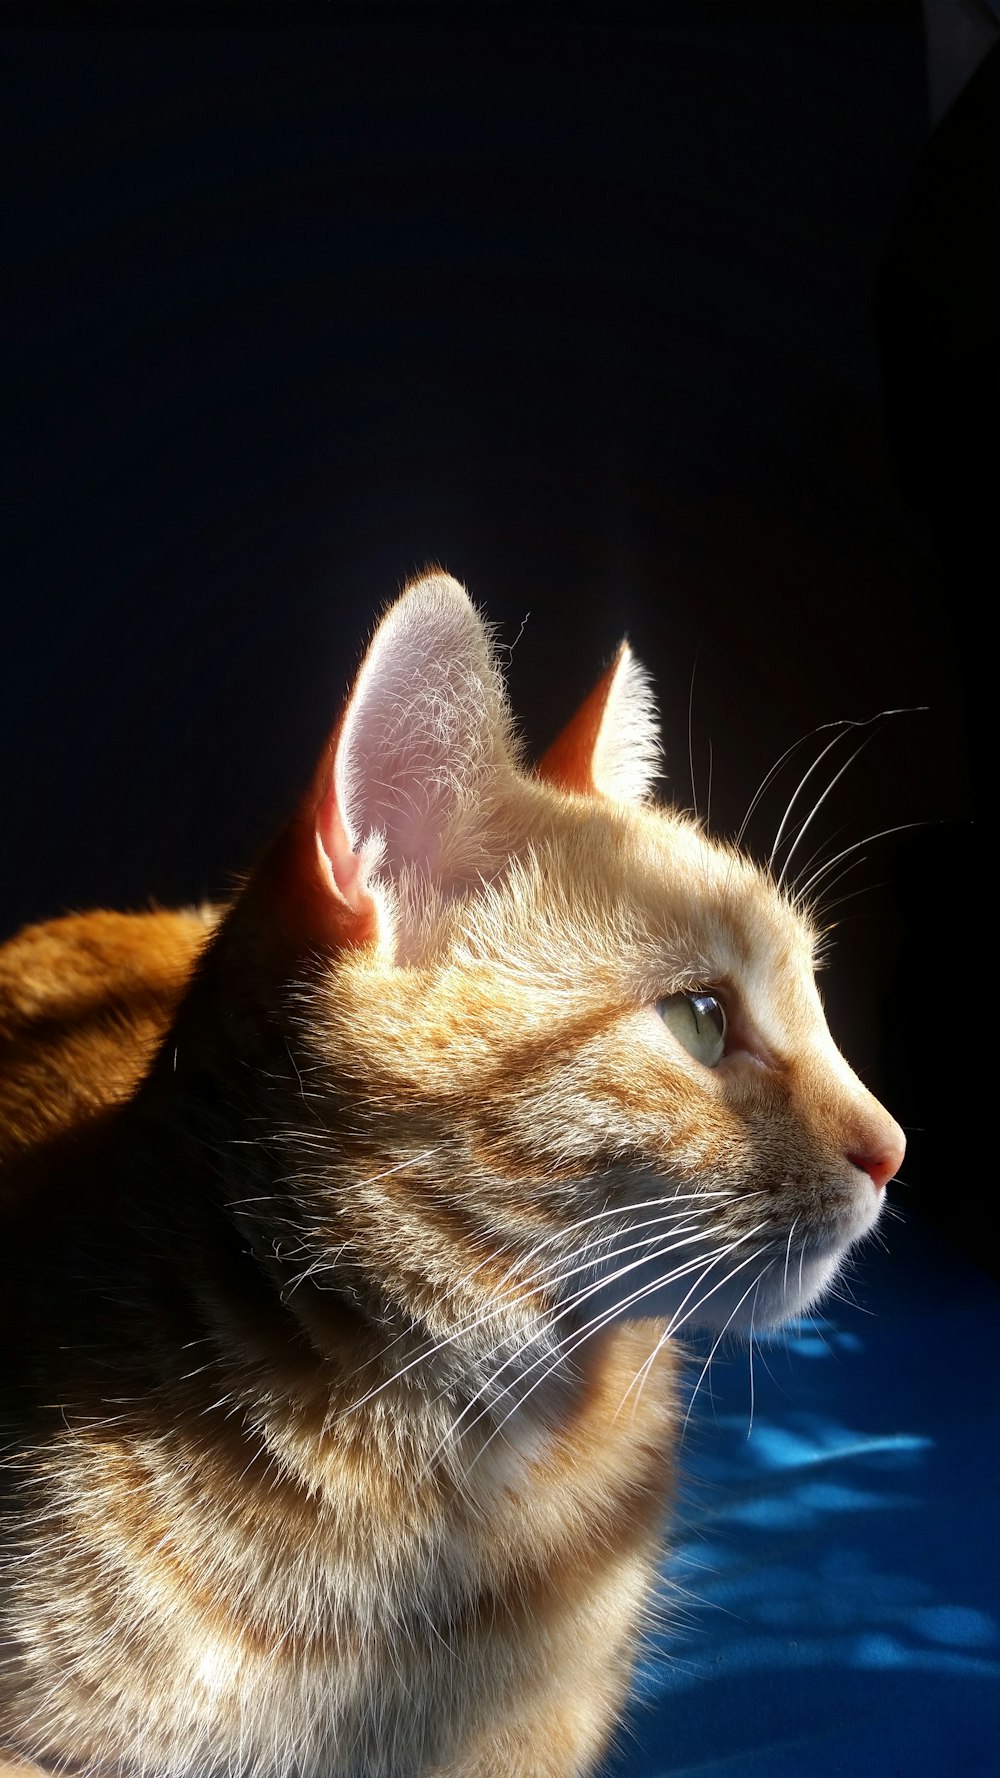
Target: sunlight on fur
351 1229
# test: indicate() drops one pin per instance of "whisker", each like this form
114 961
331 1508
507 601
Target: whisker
564 1351
694 792
783 824
500 1305
569 1307
566 1234
720 1336
769 776
817 805
820 851
804 889
753 1307
842 727
674 1323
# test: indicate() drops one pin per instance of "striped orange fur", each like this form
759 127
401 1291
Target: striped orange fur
349 1230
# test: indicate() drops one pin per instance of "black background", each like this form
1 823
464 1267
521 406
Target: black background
594 305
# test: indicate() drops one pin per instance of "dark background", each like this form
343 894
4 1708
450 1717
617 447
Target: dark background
597 306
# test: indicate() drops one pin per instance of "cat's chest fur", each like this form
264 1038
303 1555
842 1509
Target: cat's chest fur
340 1441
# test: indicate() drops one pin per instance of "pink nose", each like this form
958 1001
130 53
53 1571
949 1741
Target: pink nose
881 1165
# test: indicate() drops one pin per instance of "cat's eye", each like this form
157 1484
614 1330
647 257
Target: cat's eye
698 1021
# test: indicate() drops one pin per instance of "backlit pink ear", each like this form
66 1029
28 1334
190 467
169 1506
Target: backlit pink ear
416 756
411 785
611 747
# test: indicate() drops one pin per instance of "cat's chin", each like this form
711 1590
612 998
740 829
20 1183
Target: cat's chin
780 1302
745 1296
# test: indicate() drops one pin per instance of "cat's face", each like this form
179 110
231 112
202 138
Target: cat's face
585 1039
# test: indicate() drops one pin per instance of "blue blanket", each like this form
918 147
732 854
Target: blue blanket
834 1584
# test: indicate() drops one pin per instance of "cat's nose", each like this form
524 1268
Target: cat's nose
882 1159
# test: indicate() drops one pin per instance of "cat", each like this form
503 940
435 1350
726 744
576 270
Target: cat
349 1230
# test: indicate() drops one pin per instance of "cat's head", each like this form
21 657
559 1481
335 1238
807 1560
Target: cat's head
569 1049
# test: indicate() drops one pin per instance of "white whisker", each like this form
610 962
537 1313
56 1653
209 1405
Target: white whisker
804 889
753 1306
788 1254
673 1323
817 805
720 1336
772 773
842 728
562 1352
528 1284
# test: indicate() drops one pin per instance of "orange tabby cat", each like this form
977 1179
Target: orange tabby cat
338 1442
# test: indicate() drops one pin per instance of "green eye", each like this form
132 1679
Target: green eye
698 1022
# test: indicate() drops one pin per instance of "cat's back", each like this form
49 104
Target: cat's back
84 1002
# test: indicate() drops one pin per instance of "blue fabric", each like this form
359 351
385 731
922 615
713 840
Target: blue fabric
835 1574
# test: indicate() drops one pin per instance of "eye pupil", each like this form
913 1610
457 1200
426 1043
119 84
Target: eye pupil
698 1021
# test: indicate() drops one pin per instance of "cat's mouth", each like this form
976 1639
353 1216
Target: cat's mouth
694 1271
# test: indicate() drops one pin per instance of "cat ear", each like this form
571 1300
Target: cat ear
611 747
418 749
